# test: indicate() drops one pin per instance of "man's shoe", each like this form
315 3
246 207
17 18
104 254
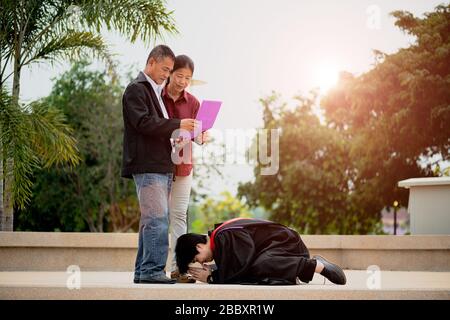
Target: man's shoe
136 281
331 271
162 279
181 278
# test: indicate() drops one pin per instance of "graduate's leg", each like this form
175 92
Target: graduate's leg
307 266
319 267
306 269
322 266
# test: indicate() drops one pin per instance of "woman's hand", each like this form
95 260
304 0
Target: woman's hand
200 274
205 137
202 138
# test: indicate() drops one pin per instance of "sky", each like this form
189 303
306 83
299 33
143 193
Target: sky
244 50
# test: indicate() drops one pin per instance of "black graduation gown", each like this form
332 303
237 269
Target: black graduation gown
253 251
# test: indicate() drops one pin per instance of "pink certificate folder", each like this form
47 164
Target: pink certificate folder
207 114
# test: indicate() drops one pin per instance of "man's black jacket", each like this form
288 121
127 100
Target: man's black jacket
146 139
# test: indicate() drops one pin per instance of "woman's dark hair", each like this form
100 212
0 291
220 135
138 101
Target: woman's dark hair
186 250
183 61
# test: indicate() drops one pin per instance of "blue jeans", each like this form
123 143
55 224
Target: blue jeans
153 191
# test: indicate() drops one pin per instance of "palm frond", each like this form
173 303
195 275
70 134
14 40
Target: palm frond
50 137
17 152
143 19
71 45
32 137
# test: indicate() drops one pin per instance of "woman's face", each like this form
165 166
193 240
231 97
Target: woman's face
180 79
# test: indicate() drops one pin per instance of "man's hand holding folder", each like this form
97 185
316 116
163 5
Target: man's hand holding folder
189 124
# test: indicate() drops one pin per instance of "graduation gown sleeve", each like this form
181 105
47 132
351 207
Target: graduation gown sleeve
233 255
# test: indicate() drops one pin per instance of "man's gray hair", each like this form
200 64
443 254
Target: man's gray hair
160 52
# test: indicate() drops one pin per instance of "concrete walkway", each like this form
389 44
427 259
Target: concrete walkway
118 285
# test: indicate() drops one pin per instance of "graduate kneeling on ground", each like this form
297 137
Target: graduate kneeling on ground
252 251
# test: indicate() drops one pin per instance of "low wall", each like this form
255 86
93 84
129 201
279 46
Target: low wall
55 251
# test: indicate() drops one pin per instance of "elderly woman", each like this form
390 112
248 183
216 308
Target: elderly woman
180 104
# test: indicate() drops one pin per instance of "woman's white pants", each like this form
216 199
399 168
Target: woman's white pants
178 206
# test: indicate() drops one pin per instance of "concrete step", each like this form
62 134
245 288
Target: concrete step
55 251
118 285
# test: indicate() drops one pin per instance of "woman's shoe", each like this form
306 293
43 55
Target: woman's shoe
181 278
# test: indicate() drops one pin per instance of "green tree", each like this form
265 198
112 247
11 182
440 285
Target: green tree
337 176
213 211
91 196
32 137
313 189
33 31
398 113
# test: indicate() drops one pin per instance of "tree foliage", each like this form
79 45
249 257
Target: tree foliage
212 211
313 189
386 125
91 196
33 136
48 31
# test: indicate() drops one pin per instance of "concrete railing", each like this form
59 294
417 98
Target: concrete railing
55 251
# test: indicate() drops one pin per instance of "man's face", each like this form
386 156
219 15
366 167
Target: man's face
204 253
159 70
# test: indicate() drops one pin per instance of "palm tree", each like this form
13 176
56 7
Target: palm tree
33 31
32 136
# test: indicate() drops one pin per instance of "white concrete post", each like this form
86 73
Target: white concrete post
429 204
